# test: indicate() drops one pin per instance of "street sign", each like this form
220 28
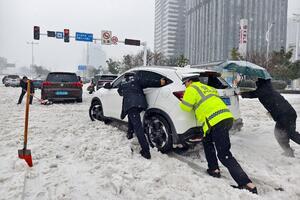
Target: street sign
51 33
86 37
59 35
106 37
82 67
114 40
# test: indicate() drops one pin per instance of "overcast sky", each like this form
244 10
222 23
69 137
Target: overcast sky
125 18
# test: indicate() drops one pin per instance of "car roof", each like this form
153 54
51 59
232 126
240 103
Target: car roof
174 69
62 73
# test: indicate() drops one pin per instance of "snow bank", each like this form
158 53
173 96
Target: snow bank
75 158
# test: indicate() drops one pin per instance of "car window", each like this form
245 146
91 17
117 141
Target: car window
62 78
108 77
216 82
147 75
13 76
117 82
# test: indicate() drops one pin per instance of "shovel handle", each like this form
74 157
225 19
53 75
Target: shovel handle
26 114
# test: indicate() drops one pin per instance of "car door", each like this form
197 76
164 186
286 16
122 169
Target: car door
151 93
111 100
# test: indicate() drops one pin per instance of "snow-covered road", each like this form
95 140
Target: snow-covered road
75 158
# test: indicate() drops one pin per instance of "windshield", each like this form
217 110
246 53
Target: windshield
62 78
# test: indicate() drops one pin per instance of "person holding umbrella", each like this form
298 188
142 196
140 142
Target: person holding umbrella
281 111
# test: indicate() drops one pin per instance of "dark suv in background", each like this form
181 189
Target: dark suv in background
99 80
62 86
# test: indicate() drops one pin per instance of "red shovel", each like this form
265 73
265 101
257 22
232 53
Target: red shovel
26 153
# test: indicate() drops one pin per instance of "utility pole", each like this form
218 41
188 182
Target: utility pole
297 20
32 55
268 41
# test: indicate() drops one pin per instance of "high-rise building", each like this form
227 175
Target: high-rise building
169 27
213 27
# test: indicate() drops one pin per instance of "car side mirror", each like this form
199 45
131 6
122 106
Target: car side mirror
107 86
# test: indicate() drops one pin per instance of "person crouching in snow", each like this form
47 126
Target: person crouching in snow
217 120
281 111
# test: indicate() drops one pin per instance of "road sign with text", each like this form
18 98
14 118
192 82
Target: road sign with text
86 37
106 37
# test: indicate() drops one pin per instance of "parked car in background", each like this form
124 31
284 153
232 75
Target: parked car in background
61 86
12 80
4 79
99 80
164 122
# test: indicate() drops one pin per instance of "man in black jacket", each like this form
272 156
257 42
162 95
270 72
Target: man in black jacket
281 111
23 85
134 102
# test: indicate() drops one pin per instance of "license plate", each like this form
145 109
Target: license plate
226 101
61 93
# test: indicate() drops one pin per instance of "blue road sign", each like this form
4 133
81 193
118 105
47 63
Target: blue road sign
81 67
86 37
59 35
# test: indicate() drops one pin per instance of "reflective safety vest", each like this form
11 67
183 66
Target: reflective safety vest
208 106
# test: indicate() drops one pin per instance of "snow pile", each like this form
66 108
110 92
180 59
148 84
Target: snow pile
75 158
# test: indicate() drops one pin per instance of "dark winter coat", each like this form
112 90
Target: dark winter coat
133 94
272 100
23 85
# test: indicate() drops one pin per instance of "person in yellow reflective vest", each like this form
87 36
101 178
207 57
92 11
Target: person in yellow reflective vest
217 120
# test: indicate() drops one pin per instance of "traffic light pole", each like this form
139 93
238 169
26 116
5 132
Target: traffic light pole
32 55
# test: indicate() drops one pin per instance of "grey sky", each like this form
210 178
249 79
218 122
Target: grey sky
126 18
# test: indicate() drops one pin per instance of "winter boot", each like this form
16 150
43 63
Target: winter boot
145 154
129 135
214 173
252 190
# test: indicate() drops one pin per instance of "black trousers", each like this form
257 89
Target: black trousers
135 122
218 139
22 95
285 129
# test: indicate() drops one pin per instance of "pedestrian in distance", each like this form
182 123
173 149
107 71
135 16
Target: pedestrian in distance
23 85
134 102
217 120
281 111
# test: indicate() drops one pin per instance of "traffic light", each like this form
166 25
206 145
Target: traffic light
133 42
36 32
66 35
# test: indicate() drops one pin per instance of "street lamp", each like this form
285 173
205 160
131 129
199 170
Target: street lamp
32 55
268 40
297 19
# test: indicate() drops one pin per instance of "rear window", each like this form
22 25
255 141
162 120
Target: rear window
13 76
108 77
62 78
214 81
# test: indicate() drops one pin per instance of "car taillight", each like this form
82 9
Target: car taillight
179 94
46 83
77 84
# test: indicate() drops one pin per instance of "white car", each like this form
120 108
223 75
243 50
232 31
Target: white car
166 125
12 80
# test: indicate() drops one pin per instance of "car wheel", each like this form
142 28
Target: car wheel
79 100
96 111
159 133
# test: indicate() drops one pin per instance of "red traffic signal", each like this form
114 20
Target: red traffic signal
66 35
36 32
133 42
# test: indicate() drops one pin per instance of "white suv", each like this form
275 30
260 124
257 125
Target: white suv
164 122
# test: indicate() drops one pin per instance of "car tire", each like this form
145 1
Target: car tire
79 100
159 133
96 112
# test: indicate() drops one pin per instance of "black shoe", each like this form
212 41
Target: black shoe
145 154
214 173
129 135
252 190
